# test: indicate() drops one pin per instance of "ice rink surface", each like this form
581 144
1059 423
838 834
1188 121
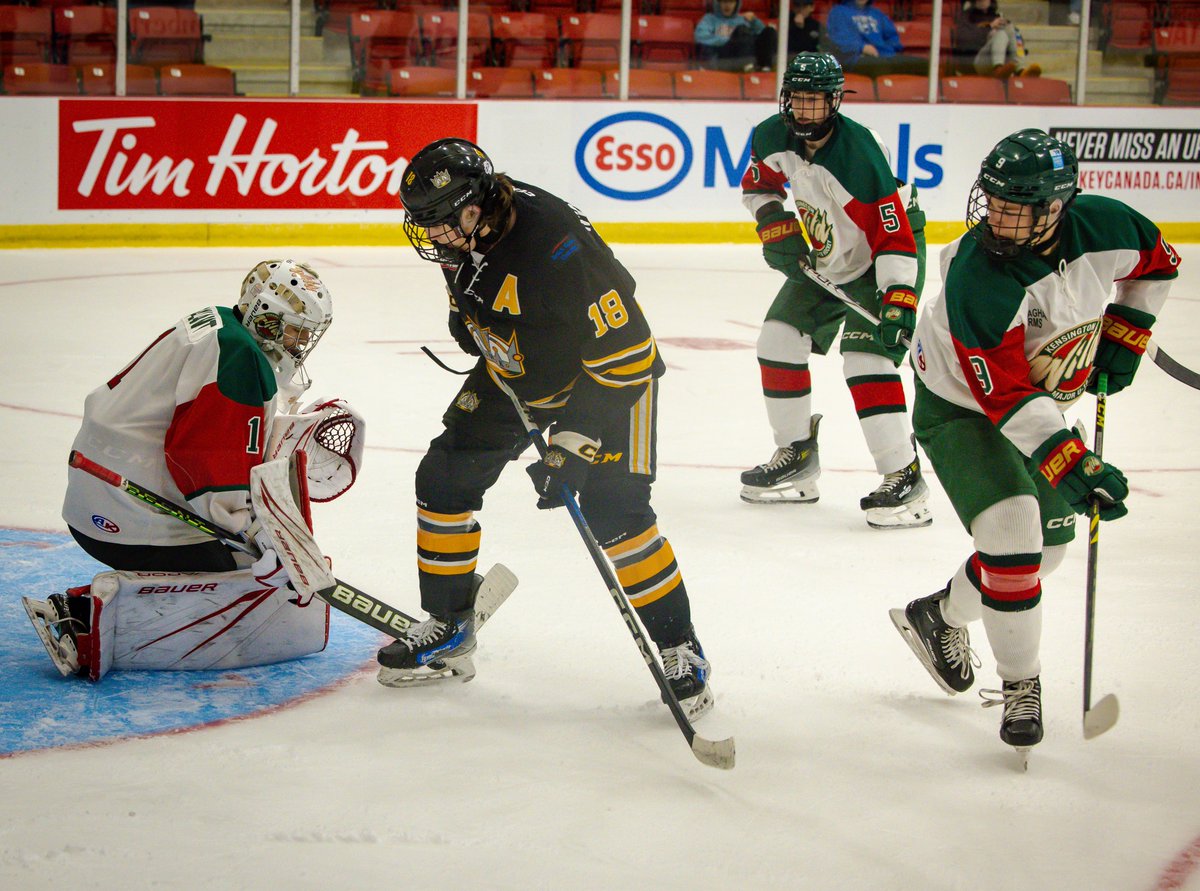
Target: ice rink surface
557 767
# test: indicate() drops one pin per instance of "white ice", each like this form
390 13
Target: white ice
558 768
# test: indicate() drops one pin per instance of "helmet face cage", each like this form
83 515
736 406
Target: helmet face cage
812 73
1028 169
442 179
287 309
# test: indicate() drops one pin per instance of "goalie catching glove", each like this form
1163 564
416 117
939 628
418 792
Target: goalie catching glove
565 463
332 434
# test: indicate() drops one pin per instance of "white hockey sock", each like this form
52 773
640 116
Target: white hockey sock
887 434
791 416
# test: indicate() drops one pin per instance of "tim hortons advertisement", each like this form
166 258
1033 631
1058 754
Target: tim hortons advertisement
244 154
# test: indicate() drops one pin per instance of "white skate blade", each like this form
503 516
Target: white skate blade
907 516
1101 717
456 668
914 643
39 614
797 491
696 707
1023 754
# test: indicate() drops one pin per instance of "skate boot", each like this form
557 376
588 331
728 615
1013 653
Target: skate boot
59 630
944 650
440 647
1021 724
901 501
790 477
687 671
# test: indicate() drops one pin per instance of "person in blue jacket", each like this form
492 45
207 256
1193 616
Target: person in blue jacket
865 41
730 40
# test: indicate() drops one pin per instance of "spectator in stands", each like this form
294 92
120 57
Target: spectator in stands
730 40
804 30
986 42
865 41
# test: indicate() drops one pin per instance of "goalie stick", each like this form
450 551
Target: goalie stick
714 753
341 595
1103 715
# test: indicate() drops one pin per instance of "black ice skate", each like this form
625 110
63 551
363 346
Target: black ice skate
1021 724
687 671
58 630
440 647
944 650
901 501
790 477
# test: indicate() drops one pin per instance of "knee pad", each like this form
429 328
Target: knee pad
780 342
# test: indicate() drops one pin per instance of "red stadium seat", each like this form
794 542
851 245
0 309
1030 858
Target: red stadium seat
334 15
500 83
859 88
26 35
708 85
592 40
421 82
526 39
196 80
84 34
1039 91
100 80
162 34
380 40
569 83
663 41
902 88
759 86
973 88
40 79
644 83
1127 27
440 33
1177 40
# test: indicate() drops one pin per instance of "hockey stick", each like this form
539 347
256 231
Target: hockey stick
1180 372
836 291
340 595
714 753
1103 716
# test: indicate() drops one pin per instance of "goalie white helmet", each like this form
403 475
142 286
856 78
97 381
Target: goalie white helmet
287 309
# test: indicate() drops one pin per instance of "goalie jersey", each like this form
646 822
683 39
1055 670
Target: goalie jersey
1015 339
187 419
553 313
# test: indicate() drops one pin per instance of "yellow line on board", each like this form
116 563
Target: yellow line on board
89 235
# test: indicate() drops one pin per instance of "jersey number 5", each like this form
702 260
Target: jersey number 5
608 309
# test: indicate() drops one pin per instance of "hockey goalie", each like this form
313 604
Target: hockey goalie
206 415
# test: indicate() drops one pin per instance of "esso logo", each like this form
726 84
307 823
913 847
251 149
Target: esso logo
104 524
633 156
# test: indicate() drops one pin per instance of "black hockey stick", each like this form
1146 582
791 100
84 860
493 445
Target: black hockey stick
1101 717
341 596
1181 373
714 753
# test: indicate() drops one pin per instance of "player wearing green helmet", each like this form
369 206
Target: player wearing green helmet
1022 325
865 233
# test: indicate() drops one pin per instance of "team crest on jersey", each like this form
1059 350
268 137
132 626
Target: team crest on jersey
1062 365
503 355
468 401
820 231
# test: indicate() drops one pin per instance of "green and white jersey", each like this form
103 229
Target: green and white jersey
1015 339
846 196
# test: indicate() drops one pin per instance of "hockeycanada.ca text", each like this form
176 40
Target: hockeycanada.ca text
1139 179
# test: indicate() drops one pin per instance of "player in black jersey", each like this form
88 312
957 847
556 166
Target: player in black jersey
540 298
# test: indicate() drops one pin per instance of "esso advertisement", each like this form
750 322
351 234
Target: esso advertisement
641 155
244 154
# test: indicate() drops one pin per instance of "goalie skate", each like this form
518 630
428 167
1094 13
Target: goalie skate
49 618
492 592
790 477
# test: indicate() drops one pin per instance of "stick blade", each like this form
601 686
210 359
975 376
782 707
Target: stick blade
1101 717
714 753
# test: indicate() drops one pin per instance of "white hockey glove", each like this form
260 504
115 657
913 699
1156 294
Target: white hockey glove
332 434
269 571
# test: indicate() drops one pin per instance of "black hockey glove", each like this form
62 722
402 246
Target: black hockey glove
566 462
459 331
1123 339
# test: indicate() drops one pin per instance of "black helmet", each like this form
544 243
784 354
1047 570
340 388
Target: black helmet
442 179
812 73
1029 168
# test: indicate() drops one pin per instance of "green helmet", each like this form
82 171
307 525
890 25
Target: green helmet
811 73
1030 168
